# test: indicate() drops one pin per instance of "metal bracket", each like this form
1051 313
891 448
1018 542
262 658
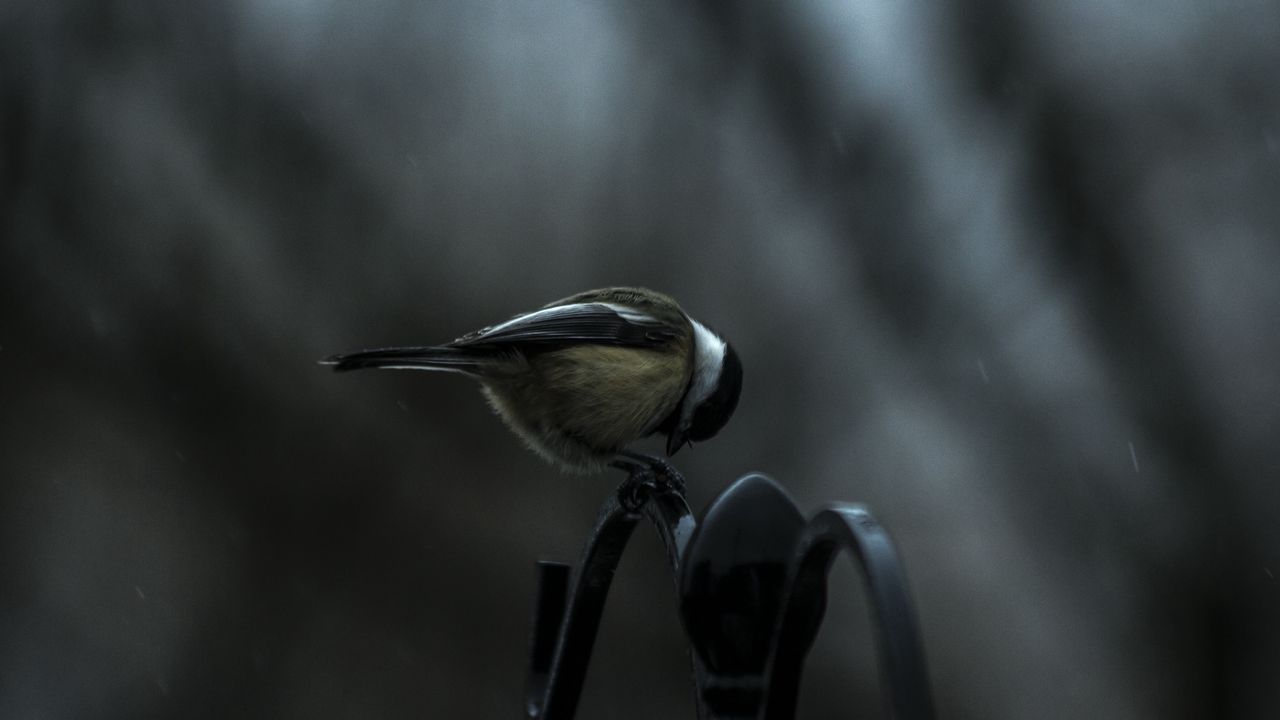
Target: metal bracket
565 623
752 581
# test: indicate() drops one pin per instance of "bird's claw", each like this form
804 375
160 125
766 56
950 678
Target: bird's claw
668 476
635 491
646 475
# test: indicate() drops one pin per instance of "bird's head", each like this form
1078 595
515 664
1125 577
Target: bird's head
713 391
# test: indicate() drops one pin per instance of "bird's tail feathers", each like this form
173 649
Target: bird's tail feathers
412 358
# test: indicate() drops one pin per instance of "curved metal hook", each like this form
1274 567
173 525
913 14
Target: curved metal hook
563 638
901 654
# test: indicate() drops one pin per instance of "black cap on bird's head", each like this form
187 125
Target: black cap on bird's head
709 406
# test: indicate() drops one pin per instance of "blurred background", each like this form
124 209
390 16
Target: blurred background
1005 272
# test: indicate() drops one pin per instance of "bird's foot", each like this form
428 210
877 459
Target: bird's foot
639 486
658 474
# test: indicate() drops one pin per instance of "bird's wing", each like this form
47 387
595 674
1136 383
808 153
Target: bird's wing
595 322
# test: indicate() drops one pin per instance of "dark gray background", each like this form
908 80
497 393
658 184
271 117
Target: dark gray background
1005 272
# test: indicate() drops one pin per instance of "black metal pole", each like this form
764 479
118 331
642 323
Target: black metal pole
558 686
564 636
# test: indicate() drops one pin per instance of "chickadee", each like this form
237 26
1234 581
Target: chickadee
584 377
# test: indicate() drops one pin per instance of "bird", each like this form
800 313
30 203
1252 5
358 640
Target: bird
581 379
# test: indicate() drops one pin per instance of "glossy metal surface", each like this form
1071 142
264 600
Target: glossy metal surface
752 580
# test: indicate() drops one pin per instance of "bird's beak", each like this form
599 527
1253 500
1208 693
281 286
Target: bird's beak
676 440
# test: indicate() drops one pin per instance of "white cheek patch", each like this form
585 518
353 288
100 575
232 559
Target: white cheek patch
708 361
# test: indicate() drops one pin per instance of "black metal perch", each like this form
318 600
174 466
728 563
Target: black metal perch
752 579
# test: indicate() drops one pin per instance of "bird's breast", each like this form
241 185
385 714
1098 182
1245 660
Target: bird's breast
604 397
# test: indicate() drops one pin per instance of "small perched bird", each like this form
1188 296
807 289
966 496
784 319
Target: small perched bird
584 377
